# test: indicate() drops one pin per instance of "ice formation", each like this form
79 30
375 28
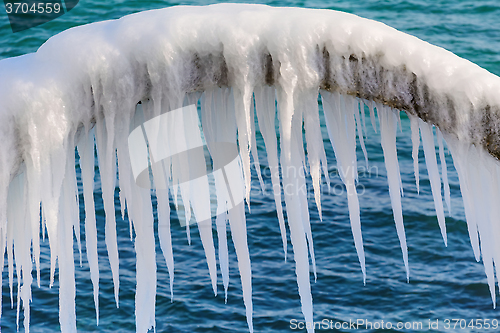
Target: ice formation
88 86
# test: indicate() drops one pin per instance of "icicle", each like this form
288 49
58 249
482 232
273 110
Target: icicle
215 117
221 222
175 129
72 200
307 109
444 171
239 236
19 236
199 191
340 123
360 132
432 169
242 101
297 135
184 192
398 116
25 291
265 107
124 162
44 223
3 238
388 128
315 148
415 139
253 146
164 234
182 134
18 302
481 214
291 162
201 208
33 197
10 240
482 183
142 217
230 186
86 152
460 155
18 215
52 179
67 287
107 170
363 116
372 116
494 213
141 214
302 193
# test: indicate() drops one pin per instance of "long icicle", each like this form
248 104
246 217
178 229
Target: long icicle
67 286
360 130
237 220
266 114
107 170
233 182
86 152
291 163
481 182
242 101
300 172
199 192
415 140
432 169
214 118
340 123
19 215
315 149
494 213
316 157
460 153
145 296
164 233
388 127
444 171
253 145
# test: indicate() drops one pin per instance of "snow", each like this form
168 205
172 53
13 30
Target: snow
122 82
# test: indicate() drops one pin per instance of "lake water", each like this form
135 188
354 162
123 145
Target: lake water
445 282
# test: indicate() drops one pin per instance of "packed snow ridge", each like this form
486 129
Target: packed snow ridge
85 87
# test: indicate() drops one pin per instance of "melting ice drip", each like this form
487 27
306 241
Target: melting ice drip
85 84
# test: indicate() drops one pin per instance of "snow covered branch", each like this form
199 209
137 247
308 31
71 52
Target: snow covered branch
94 80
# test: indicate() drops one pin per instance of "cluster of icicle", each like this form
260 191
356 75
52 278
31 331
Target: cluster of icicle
82 88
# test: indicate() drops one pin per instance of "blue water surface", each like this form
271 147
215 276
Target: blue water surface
445 282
